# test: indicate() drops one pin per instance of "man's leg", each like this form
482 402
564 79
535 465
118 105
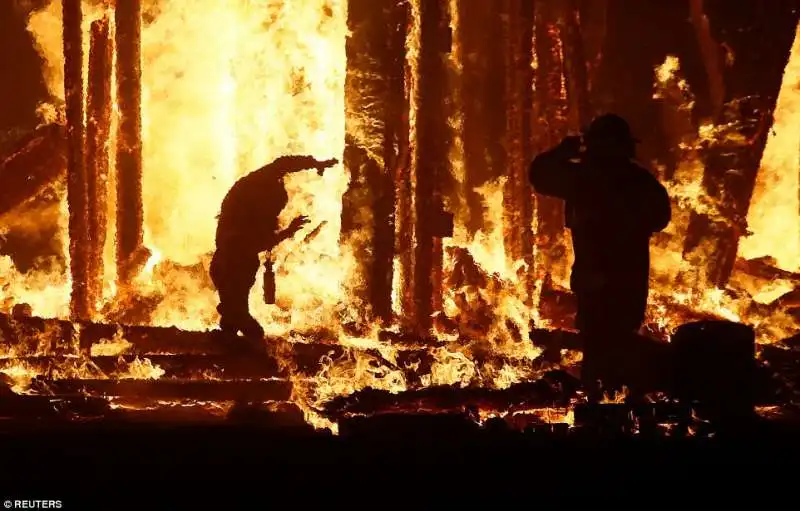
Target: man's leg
233 274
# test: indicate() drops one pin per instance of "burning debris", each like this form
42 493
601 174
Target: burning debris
436 279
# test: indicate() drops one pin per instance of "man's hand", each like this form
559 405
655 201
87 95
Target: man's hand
571 146
326 164
296 224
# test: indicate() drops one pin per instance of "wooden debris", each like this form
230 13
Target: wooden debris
247 391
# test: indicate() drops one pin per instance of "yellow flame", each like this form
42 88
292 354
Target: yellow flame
774 216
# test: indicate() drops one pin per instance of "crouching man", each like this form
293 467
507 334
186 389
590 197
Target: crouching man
248 226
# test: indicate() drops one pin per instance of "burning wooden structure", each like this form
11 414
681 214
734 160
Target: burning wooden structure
444 103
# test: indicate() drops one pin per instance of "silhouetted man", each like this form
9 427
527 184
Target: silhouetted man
248 226
613 206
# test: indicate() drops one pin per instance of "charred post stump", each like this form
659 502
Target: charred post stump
714 366
518 196
430 163
97 146
130 218
76 164
758 36
375 91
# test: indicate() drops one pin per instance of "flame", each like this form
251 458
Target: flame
774 216
229 86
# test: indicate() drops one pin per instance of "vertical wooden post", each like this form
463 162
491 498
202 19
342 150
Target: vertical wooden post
518 197
130 218
592 16
97 146
76 166
576 73
403 206
374 89
550 108
431 161
395 145
473 38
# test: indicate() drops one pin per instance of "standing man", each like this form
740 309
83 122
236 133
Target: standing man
613 207
247 226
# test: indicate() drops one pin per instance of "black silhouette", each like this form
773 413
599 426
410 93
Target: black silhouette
247 226
613 206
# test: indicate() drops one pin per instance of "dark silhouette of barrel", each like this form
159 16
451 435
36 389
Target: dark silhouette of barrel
715 368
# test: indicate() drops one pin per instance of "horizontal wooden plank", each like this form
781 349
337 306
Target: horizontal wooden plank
247 391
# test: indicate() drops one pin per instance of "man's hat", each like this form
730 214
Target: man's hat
610 126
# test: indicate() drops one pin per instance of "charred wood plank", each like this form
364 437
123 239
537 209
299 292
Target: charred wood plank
31 336
765 268
420 426
216 367
53 408
539 394
98 130
76 164
130 217
34 162
248 391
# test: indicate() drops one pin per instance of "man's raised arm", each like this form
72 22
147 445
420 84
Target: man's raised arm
289 164
552 173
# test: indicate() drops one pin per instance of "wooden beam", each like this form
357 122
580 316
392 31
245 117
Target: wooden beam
473 39
98 130
35 161
257 390
130 216
200 367
374 101
538 394
76 166
518 196
550 125
430 161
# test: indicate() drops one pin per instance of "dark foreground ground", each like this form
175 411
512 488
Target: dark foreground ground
119 465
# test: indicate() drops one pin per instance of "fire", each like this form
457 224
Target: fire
774 217
229 86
